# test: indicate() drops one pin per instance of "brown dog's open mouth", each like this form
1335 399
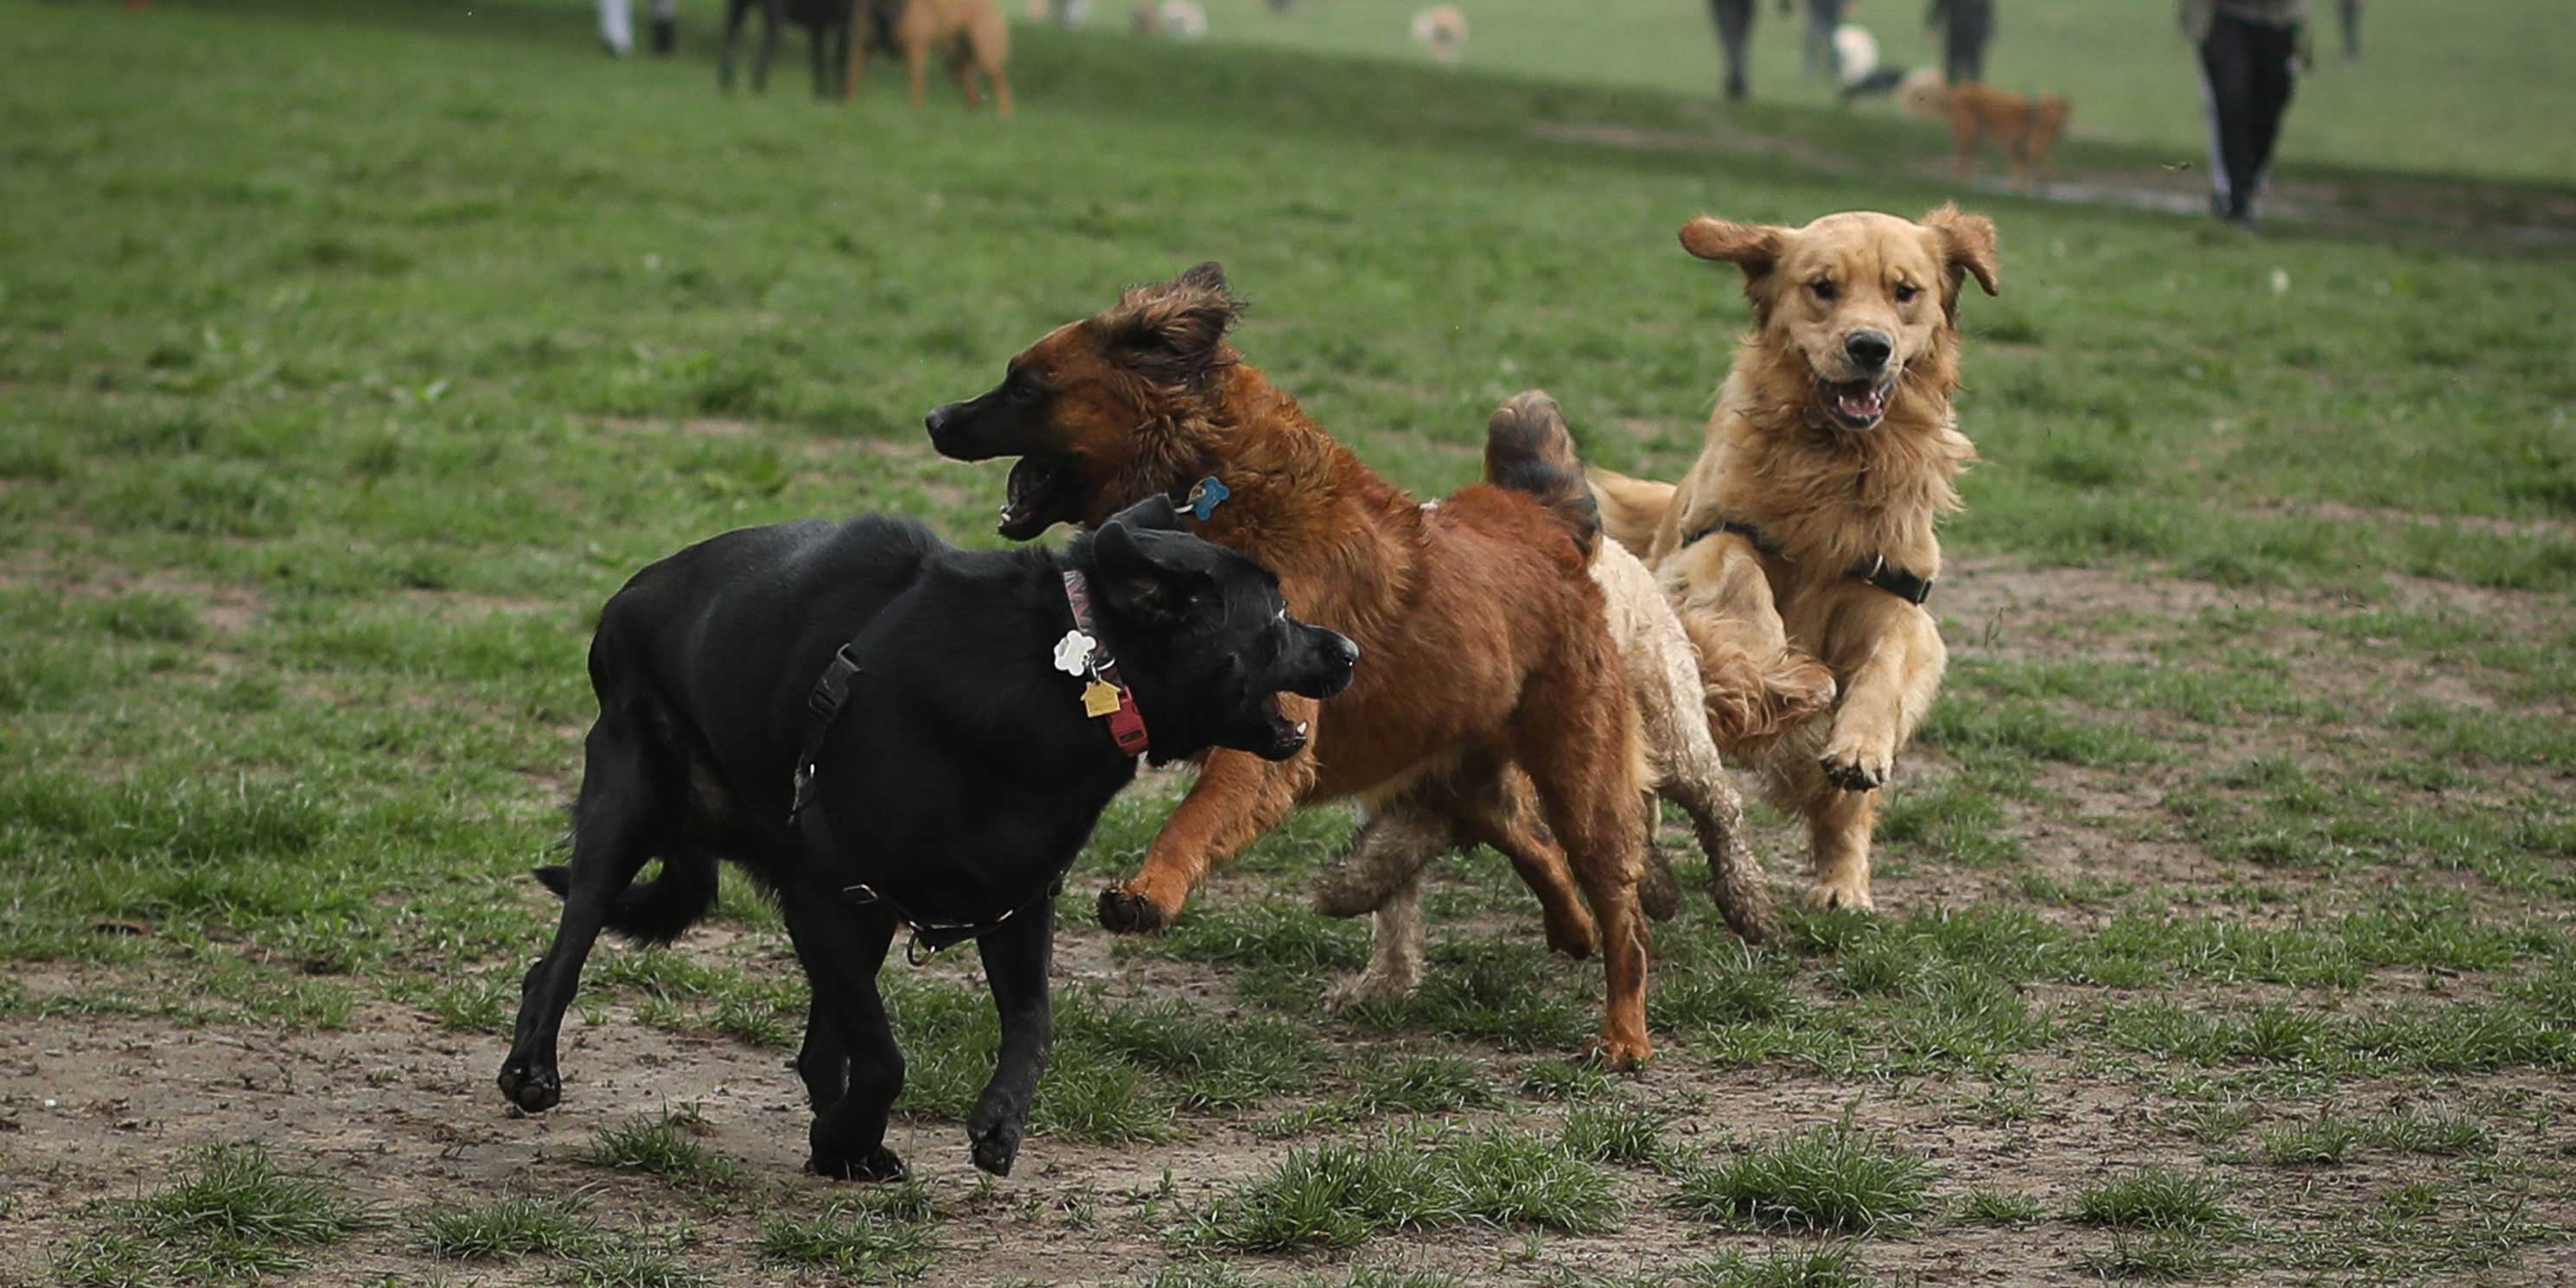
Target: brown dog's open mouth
1855 404
1287 737
1043 491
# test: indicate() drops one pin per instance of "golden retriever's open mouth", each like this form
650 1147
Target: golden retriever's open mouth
1855 404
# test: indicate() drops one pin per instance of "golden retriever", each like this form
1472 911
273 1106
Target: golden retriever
1800 547
969 33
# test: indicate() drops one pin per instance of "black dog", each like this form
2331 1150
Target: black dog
974 748
828 27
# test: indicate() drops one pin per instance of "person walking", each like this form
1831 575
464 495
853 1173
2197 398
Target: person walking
2248 55
2350 12
1734 36
1822 17
1965 27
617 26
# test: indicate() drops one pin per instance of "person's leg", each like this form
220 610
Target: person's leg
1734 37
2272 79
666 25
616 27
2351 15
1979 28
2227 92
1818 48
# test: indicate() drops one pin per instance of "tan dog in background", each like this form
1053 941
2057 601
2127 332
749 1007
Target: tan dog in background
2025 127
1800 546
971 33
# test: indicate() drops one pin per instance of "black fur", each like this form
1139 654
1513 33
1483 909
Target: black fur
828 25
960 779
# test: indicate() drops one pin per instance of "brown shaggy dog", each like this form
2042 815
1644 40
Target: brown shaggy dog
1381 870
2025 127
1482 639
970 33
1800 545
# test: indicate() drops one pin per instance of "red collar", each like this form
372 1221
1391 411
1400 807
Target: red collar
1126 722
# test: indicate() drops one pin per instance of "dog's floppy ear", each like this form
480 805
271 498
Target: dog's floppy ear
1752 247
1175 331
1965 244
1141 574
1156 511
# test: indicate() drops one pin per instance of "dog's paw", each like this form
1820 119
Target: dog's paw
996 1146
1849 766
1368 988
1659 892
1339 892
877 1165
532 1087
1840 894
1572 933
1126 912
1619 1055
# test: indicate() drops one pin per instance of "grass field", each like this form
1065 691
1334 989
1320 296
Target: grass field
350 355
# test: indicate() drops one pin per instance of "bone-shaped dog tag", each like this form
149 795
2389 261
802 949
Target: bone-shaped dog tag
1098 699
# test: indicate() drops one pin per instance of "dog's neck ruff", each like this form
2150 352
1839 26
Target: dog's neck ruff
1079 653
1875 570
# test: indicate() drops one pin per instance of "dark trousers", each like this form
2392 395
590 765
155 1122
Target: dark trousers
2245 82
1734 35
1966 28
1822 17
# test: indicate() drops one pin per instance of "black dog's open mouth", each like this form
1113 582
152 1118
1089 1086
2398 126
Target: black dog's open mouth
1287 737
1855 404
1043 491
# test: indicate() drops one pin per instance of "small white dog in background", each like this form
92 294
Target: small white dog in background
1855 54
1178 19
1442 30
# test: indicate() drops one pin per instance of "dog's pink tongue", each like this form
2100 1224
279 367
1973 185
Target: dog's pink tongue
1861 403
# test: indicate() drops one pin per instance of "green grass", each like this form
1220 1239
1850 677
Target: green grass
2154 1198
1828 1179
1337 1197
511 1228
663 1147
239 1217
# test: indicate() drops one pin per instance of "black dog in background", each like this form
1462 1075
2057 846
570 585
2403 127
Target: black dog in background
968 760
829 28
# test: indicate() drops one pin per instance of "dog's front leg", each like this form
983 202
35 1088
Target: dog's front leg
1884 698
841 950
1015 967
1237 798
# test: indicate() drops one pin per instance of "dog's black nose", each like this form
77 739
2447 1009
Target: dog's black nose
1869 349
938 418
1346 650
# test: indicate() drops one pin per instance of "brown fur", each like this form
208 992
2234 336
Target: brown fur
970 33
1382 869
1830 496
2024 127
1480 634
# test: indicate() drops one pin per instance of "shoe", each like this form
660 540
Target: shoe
666 35
1735 89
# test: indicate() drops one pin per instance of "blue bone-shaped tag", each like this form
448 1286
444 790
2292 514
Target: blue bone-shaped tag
1204 497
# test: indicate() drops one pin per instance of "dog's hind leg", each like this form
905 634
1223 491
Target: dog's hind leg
1381 873
823 1062
1716 811
916 67
1395 951
841 949
1576 734
961 66
1016 956
614 826
1503 810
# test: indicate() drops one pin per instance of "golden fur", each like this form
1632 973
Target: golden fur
1382 870
2025 127
1812 672
970 33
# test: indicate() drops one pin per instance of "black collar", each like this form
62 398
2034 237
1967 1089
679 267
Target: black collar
1875 570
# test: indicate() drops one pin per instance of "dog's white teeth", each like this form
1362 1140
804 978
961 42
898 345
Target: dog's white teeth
1301 728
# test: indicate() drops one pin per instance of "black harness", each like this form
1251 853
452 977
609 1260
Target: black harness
1875 570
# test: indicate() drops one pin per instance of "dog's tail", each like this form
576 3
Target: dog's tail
1631 509
1529 449
655 911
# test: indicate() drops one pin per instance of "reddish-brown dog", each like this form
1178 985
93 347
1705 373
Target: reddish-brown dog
1484 637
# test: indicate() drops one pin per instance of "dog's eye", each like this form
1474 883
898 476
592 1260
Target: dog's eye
1023 391
1823 287
1906 291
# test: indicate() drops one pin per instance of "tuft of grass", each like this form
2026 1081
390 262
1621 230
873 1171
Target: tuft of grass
626 1265
1614 1132
2321 1143
1831 1266
1565 1080
2159 1256
872 1242
662 1147
1986 1205
1339 1196
1422 1084
512 1227
2154 1198
1831 1179
239 1217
